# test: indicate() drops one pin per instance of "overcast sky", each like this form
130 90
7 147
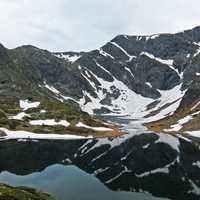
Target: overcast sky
62 25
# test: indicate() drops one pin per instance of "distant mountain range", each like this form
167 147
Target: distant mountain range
154 79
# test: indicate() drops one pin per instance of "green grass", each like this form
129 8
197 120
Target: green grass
22 193
54 110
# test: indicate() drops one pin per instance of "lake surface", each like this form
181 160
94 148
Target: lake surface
69 182
141 165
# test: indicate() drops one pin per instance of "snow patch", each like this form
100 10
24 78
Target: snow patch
149 84
26 104
105 54
70 58
30 135
165 170
197 52
154 36
181 122
179 125
19 116
194 133
57 93
172 98
127 69
123 50
49 122
165 62
82 125
195 106
128 103
102 67
51 88
43 111
197 163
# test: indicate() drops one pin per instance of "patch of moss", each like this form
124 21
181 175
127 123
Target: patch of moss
9 105
2 115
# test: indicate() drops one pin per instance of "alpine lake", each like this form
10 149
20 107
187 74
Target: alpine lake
141 165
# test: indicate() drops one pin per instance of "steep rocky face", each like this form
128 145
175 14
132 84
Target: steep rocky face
3 55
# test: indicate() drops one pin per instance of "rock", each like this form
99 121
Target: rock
2 134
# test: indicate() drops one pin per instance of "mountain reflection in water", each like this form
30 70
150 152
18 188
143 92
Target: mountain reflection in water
120 168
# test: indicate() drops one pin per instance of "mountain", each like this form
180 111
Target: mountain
153 79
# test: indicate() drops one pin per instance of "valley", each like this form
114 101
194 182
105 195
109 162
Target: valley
117 118
154 79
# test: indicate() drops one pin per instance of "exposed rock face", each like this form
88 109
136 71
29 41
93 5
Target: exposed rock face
2 134
3 55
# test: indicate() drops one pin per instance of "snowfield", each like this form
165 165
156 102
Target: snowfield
82 125
194 133
49 122
129 103
29 135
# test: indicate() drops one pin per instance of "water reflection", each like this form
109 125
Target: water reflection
161 165
71 183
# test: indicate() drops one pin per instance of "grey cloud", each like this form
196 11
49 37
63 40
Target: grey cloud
63 25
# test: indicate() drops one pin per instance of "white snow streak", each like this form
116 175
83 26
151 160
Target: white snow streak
82 125
123 50
70 58
26 104
19 116
166 62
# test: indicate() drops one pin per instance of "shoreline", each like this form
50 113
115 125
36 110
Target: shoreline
26 135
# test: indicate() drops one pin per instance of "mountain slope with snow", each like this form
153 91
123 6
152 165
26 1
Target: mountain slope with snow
145 78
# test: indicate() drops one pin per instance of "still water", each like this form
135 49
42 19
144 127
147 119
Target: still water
141 166
69 182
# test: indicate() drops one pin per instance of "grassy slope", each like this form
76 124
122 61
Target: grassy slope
21 193
55 110
167 122
23 70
